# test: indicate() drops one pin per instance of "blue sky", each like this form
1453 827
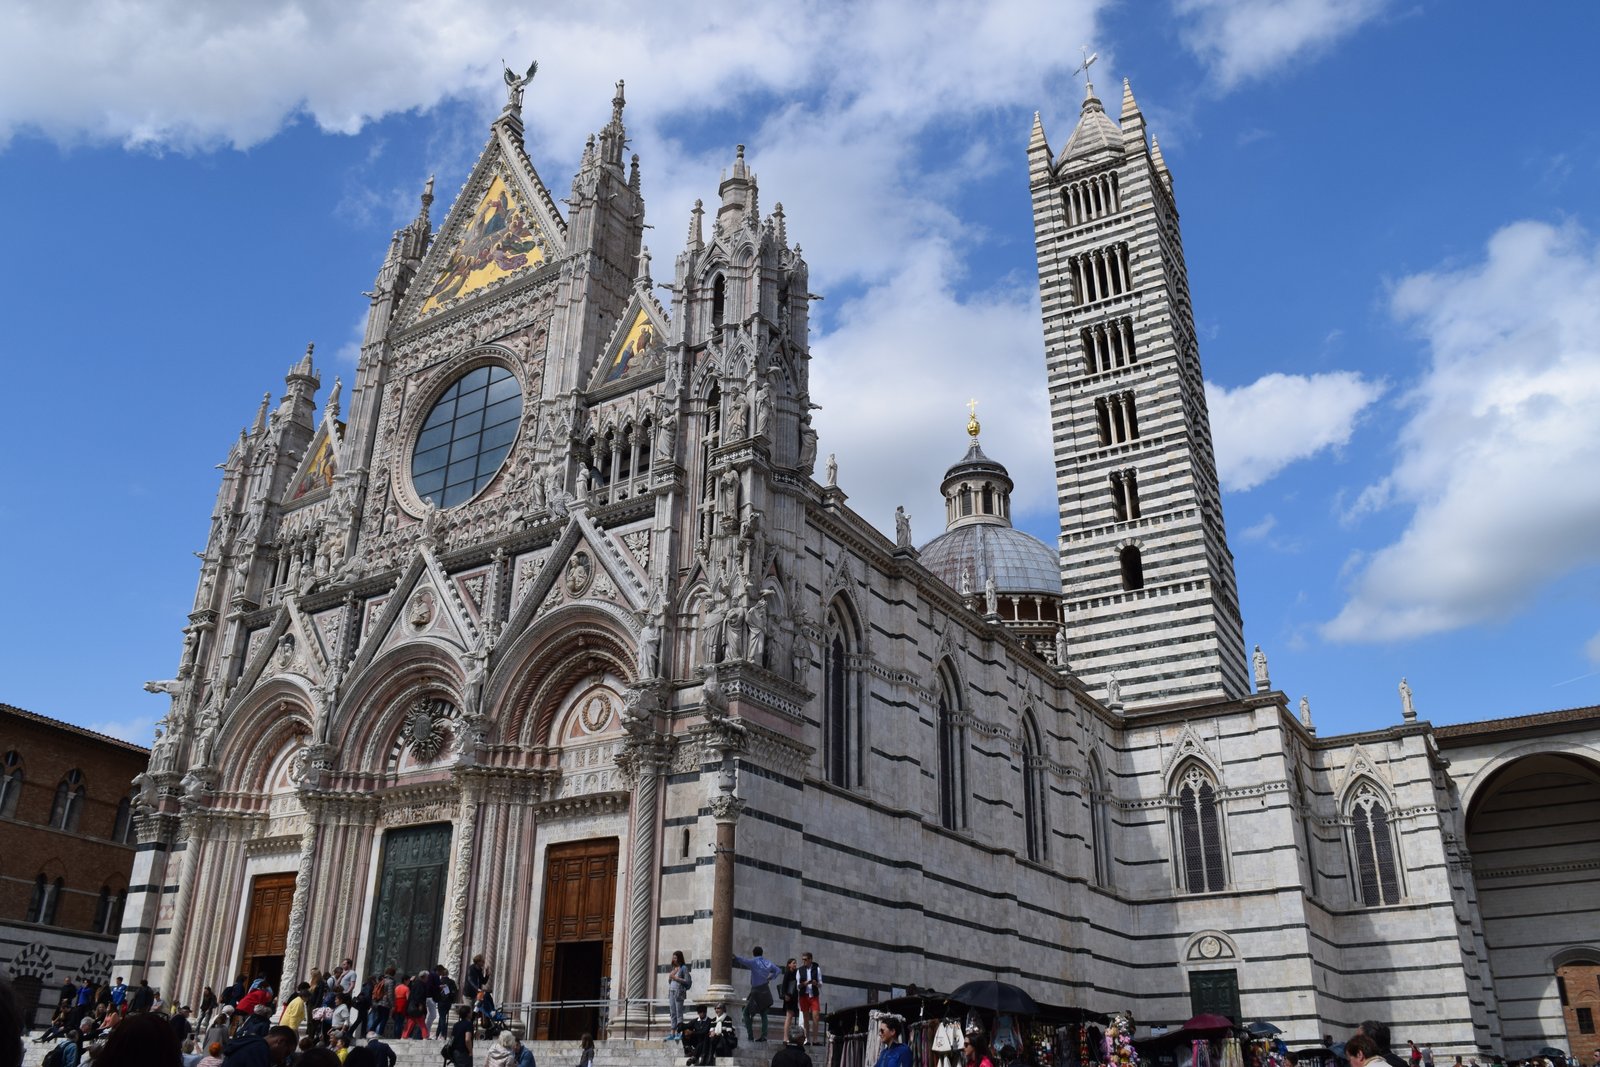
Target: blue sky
1389 212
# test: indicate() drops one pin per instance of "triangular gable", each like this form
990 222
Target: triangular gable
1191 746
318 465
288 645
425 603
636 344
605 574
503 224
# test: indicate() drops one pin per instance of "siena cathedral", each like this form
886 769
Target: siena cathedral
553 641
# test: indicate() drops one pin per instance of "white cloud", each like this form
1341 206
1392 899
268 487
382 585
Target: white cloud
1499 457
869 121
895 377
1261 428
1244 39
1260 529
138 729
167 73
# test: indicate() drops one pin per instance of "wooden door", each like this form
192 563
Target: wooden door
266 931
575 935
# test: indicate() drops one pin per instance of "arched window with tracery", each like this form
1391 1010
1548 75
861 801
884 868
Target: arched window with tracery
68 806
840 723
1373 847
1099 824
1035 827
952 756
102 911
52 902
10 784
1199 833
710 441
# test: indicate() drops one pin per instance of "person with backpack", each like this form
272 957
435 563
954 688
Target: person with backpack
69 1051
679 979
417 1001
444 999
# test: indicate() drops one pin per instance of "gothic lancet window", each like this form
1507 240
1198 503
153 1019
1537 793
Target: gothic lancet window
102 910
1199 833
1372 844
1099 824
839 713
710 441
952 753
1034 827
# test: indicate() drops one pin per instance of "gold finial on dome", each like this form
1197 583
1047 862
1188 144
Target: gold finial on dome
972 419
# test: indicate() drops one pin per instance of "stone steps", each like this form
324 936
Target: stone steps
617 1053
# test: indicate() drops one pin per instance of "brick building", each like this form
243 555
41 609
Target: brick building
66 850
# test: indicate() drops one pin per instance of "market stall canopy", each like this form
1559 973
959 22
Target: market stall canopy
1208 1023
996 996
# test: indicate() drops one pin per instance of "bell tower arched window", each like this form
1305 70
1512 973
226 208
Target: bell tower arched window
1373 848
1199 833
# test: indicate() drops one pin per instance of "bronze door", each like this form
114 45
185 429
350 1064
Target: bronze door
580 899
266 930
410 904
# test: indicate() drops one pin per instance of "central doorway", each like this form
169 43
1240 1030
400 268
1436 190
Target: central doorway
266 931
410 905
580 899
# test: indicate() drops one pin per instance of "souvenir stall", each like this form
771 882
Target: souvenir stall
1203 1041
1022 1033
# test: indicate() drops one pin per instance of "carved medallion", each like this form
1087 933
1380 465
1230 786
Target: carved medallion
579 571
420 612
596 712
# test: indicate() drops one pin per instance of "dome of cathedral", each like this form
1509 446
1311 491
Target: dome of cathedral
1018 562
979 542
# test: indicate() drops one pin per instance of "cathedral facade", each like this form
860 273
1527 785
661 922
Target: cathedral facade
559 648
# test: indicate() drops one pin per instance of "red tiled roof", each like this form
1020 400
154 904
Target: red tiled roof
33 716
1517 722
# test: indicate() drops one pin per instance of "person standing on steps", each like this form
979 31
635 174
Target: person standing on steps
811 998
762 972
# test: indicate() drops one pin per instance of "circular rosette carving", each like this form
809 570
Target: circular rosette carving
427 728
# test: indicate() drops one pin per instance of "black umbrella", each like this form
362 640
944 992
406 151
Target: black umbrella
1264 1029
996 996
1551 1053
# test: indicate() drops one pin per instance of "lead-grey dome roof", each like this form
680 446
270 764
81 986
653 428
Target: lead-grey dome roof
1018 562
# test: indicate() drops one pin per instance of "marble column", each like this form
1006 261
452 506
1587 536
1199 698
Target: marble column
725 809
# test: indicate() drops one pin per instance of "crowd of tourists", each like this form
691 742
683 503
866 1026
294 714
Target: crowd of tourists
328 1020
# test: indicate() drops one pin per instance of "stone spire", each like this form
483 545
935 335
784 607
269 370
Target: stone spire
1095 134
697 238
738 192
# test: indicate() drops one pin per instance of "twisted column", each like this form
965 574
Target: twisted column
294 942
641 893
467 829
180 909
